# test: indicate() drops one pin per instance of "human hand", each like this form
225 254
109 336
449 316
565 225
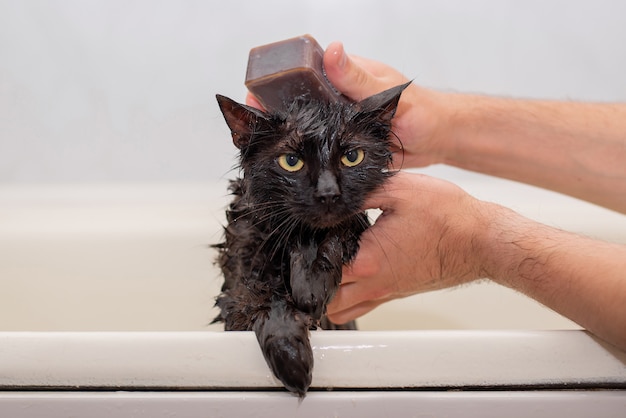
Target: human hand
427 238
420 120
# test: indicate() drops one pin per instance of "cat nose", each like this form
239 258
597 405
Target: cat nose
328 198
327 190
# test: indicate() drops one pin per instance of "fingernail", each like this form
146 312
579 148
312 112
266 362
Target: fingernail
343 58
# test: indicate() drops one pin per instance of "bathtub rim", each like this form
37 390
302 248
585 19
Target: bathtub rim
415 360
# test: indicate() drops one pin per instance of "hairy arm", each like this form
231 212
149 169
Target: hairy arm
455 238
581 278
574 148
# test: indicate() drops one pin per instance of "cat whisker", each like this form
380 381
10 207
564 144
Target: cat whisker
265 212
397 148
285 229
384 248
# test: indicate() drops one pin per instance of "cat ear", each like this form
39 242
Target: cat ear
242 120
384 103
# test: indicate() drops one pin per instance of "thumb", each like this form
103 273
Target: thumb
387 197
348 76
253 101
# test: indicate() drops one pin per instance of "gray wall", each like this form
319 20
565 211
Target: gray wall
124 90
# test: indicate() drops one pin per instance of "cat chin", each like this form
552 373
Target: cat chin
328 221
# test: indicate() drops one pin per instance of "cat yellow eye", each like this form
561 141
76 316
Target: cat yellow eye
290 162
353 158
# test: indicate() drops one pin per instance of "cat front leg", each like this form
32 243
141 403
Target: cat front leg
243 305
316 274
284 339
281 330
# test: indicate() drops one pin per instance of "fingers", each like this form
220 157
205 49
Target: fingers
354 76
355 299
371 278
252 101
349 74
399 187
366 262
352 313
361 289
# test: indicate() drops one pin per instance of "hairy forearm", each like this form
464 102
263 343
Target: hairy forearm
573 148
581 278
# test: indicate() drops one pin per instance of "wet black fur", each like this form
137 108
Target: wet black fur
289 233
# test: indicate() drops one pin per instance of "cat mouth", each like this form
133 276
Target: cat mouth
324 219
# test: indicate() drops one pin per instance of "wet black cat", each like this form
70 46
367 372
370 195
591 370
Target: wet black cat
296 218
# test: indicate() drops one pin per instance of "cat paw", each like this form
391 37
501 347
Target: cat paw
284 340
291 361
309 303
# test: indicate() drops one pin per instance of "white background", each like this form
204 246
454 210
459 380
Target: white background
124 90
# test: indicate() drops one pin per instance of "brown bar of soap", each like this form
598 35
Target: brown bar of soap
282 71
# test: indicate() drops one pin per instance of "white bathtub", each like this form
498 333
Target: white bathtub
107 292
360 374
137 258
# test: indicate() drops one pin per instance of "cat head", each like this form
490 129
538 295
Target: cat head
316 161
